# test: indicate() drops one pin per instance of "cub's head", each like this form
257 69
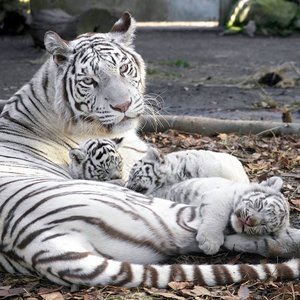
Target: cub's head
148 174
96 159
261 209
99 79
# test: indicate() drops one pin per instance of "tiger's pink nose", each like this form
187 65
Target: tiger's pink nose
123 107
250 221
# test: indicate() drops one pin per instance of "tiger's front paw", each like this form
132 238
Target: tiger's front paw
210 243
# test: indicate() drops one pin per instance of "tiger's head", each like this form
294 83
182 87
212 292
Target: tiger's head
149 173
260 210
96 159
99 79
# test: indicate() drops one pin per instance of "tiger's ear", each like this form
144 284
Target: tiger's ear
118 142
77 155
123 30
155 154
273 182
56 46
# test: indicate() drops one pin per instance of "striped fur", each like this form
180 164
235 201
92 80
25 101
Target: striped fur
155 171
250 208
88 232
97 159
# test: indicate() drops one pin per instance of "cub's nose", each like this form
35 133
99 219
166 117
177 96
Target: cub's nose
122 107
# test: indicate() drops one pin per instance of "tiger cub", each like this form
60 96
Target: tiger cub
156 170
246 208
97 159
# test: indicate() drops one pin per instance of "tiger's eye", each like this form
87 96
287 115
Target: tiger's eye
88 80
123 68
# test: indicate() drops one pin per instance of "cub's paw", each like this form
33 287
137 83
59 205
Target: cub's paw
210 243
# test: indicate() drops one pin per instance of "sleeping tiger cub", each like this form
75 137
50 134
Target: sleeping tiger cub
250 208
155 170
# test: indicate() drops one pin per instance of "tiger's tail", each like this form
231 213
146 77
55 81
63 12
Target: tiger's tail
91 270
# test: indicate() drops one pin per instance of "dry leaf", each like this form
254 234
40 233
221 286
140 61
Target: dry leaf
243 292
53 296
90 297
197 291
176 285
222 136
296 202
49 290
6 292
156 292
12 292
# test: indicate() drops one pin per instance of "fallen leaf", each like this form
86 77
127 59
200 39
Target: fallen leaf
12 292
156 292
53 296
90 297
48 290
6 292
200 291
175 285
296 202
243 292
222 136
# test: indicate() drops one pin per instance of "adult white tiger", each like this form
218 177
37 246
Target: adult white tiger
84 232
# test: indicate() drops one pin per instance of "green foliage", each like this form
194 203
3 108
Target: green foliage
269 15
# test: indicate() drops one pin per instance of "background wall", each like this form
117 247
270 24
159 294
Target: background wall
143 10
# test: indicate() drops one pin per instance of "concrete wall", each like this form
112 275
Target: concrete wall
143 10
192 10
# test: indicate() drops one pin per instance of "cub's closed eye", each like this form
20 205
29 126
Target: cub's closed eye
88 81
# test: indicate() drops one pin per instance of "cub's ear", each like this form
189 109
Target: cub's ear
155 155
273 182
77 155
58 47
124 29
118 142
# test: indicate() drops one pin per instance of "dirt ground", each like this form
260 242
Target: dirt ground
192 72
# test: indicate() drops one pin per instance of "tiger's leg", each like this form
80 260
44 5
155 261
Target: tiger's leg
213 220
286 244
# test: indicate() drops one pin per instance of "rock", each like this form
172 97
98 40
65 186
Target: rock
52 19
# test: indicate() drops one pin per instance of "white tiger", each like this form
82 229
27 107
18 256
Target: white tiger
88 232
155 170
249 208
